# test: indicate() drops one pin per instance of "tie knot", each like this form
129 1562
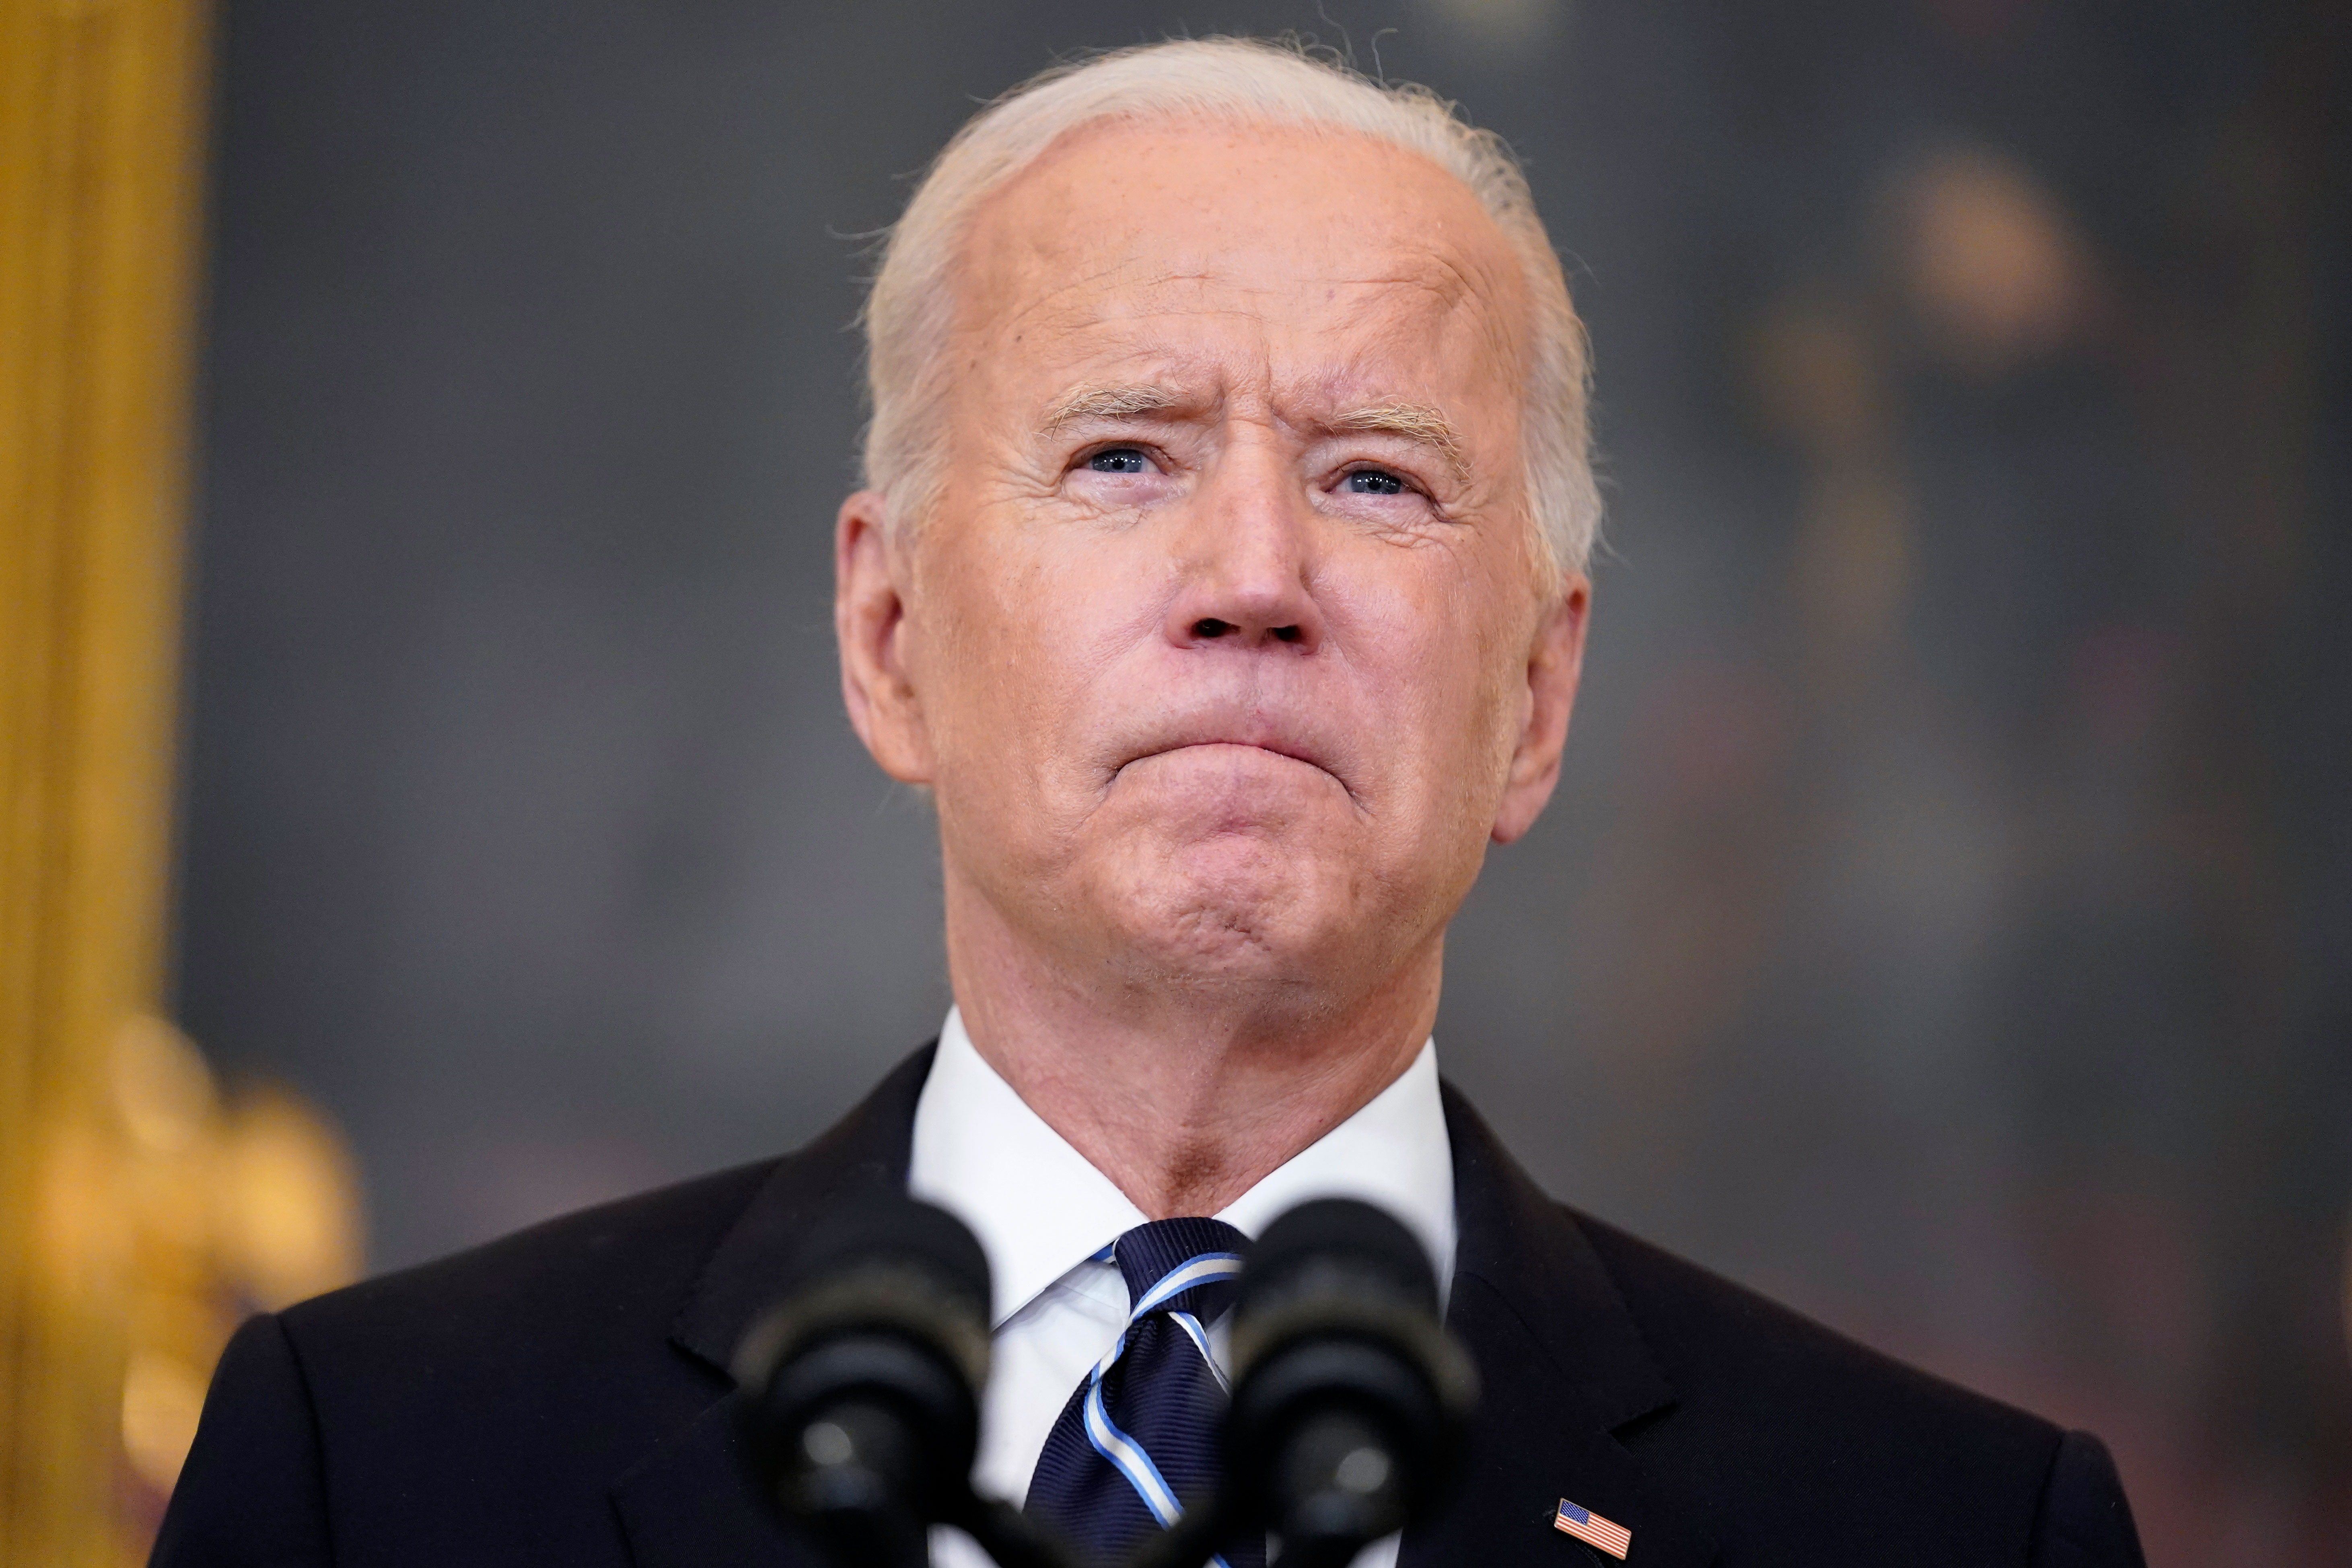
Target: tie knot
1179 1266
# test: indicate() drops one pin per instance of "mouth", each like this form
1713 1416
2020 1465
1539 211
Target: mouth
1286 748
1289 754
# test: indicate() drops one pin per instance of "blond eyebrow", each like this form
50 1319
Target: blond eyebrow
1110 403
1416 422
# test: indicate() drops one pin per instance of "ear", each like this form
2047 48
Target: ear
1554 664
869 619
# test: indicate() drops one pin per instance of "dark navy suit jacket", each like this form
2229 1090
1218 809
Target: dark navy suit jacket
556 1398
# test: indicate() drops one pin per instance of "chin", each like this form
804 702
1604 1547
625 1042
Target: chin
1239 909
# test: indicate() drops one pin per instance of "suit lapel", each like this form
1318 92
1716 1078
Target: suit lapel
682 1504
1563 1369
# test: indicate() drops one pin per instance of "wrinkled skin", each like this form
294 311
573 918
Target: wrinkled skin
1228 647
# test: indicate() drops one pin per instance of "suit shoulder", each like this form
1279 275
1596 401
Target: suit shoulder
622 1266
475 1409
1751 1371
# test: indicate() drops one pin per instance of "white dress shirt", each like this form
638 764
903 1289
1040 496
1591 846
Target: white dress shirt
1042 1212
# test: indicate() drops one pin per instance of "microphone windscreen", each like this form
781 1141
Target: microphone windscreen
889 1228
857 1411
1339 1237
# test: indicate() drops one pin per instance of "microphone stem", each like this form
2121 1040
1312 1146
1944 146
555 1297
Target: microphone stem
1014 1540
1195 1536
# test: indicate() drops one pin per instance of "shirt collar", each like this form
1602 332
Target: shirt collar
1039 1208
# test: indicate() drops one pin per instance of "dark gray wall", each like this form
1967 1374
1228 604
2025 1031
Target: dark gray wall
1944 917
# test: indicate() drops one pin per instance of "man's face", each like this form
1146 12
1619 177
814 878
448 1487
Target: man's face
1226 648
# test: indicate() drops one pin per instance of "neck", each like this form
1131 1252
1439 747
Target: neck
1185 1094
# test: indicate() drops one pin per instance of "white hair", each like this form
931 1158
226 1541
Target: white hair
910 314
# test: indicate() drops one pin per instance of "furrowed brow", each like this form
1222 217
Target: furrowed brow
1110 403
1415 422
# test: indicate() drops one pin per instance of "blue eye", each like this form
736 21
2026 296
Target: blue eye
1119 461
1374 482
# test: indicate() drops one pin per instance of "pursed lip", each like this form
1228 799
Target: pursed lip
1280 740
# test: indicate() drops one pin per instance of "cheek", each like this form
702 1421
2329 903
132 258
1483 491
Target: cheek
1014 639
1451 675
1430 631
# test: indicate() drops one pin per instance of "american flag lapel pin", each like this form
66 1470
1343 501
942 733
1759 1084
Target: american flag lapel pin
1594 1531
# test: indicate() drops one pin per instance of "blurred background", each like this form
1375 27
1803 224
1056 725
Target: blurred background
1945 922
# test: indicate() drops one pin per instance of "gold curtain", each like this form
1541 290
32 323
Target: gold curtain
138 1215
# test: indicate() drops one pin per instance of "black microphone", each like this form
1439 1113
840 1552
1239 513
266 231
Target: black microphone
857 1409
1349 1398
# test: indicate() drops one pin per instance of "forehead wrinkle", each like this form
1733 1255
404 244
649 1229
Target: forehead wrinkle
1074 299
1449 302
1463 285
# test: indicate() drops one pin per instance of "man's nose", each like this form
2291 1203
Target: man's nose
1246 556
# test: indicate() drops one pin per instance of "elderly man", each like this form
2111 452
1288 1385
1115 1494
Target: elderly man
1222 577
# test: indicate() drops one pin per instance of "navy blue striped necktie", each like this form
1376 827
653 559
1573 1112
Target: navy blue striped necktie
1139 1438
